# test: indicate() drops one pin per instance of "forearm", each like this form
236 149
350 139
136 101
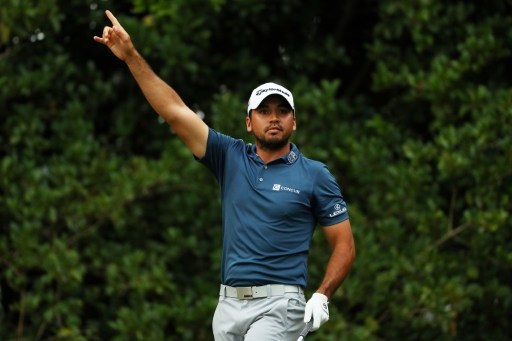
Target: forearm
337 269
168 104
339 264
162 98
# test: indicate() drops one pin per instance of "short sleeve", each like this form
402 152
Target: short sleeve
330 207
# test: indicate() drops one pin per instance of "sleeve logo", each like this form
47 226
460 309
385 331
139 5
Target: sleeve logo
337 211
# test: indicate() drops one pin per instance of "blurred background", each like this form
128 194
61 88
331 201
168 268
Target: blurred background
111 231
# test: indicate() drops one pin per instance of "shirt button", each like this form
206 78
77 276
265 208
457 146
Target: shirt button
266 166
261 179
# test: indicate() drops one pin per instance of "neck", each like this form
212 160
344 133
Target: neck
268 155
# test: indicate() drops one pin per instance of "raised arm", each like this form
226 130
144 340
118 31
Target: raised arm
164 100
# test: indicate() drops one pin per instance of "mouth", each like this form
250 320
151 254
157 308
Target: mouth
274 129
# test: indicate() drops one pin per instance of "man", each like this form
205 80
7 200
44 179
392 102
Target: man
272 197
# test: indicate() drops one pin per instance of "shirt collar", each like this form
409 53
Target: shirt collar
289 158
292 156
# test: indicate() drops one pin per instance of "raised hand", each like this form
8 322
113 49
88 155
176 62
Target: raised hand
116 38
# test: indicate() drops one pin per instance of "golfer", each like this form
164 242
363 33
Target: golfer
272 199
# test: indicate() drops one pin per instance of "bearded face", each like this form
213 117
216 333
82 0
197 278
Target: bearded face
272 123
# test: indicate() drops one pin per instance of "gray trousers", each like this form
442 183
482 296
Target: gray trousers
274 318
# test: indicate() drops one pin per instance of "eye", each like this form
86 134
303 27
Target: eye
284 110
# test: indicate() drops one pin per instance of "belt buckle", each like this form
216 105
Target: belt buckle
244 293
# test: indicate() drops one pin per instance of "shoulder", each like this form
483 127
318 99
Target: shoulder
224 141
315 167
319 174
315 164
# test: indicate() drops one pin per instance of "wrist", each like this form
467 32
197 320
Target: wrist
321 296
132 57
324 293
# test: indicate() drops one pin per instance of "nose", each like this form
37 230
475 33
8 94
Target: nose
274 116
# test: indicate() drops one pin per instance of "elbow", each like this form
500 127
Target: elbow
351 252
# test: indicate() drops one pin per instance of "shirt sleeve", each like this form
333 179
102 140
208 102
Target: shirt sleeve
217 147
330 208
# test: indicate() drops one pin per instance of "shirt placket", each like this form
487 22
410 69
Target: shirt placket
262 174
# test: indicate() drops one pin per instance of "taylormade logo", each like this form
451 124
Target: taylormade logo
259 92
278 187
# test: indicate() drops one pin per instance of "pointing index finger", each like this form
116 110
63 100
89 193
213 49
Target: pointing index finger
112 18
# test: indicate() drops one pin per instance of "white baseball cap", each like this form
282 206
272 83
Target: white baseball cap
265 90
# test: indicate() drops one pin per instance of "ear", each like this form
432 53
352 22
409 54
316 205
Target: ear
248 123
294 122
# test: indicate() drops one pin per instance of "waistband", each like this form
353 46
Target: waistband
249 293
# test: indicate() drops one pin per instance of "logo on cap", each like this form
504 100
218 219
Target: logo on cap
267 89
262 91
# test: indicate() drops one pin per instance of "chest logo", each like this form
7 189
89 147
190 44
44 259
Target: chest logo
278 187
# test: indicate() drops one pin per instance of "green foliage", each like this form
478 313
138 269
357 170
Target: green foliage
111 230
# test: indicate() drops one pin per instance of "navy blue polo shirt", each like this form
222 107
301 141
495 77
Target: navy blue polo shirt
269 211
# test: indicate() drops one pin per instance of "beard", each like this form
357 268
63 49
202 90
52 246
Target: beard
272 143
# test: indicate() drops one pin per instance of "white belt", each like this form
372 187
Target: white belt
248 293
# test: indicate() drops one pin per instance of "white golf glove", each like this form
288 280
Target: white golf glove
317 307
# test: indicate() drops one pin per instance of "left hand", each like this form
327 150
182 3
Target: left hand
317 307
116 38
